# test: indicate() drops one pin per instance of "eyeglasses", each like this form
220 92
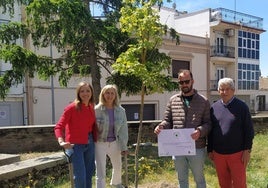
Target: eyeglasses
184 82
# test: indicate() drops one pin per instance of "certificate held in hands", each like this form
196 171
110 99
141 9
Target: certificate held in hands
176 142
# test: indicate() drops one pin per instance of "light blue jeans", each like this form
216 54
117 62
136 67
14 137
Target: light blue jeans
83 161
196 164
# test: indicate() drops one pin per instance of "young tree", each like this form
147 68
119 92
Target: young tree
142 60
72 29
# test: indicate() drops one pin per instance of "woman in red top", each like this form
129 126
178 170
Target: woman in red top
76 133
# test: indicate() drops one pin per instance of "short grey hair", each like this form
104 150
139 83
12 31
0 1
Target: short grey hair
226 81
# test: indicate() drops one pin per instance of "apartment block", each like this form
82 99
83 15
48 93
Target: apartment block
234 47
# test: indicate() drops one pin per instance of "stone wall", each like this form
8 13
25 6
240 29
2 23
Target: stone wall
21 139
40 138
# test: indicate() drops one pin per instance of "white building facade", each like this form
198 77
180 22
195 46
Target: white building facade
234 43
192 52
211 46
13 110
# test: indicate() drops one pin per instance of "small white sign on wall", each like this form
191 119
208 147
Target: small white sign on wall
136 116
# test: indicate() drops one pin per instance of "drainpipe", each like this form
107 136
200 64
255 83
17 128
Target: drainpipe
27 99
208 66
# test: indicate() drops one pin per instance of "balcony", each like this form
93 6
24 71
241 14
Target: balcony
230 16
222 51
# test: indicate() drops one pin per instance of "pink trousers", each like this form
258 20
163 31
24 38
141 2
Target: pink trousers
230 170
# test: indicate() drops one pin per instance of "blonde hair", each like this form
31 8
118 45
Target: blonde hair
104 89
78 100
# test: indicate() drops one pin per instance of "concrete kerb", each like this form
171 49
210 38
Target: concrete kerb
21 168
8 159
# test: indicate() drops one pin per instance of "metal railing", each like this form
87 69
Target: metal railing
237 18
222 51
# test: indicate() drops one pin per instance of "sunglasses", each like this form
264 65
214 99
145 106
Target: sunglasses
184 82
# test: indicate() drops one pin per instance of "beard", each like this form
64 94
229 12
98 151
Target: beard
186 89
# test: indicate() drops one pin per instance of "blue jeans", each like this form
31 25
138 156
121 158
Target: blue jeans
196 164
83 161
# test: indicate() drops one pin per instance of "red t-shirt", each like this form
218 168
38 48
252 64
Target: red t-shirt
76 124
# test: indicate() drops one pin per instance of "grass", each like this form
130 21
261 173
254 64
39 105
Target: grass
257 172
159 172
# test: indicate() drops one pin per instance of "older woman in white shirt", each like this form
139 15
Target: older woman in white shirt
112 136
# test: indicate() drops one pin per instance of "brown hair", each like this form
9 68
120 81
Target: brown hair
78 100
185 71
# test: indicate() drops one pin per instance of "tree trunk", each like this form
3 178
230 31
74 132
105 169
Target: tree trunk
139 138
95 71
92 61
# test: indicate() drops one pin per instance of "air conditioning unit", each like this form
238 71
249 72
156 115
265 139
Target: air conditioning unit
229 32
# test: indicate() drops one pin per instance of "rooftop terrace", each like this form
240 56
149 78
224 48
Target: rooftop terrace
222 14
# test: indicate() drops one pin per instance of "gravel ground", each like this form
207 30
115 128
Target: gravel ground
158 185
25 156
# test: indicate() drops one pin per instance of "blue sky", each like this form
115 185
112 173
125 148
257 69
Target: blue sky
255 8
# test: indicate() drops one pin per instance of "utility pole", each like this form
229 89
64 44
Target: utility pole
235 10
52 90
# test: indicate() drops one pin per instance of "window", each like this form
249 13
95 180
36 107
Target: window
257 55
248 45
220 45
244 53
239 75
244 75
249 54
177 65
244 42
253 75
132 111
253 44
220 73
253 54
239 52
248 76
239 41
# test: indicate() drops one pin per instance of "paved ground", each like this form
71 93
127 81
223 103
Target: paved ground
262 114
20 168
